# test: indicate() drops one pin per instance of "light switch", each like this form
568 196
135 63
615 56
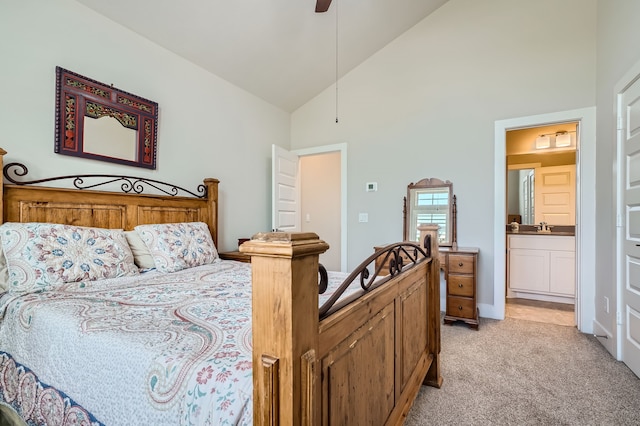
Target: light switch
372 186
363 217
307 218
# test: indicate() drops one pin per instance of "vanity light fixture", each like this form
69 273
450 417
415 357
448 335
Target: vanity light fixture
563 139
543 141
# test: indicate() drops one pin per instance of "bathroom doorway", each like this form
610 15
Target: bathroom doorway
541 247
585 209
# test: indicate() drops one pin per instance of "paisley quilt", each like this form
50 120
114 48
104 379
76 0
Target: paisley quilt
157 349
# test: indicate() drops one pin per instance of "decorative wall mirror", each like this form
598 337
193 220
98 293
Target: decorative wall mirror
431 200
97 121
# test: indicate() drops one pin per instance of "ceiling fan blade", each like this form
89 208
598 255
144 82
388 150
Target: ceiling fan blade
322 5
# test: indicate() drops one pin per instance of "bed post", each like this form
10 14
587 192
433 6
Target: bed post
2 154
285 327
212 199
433 378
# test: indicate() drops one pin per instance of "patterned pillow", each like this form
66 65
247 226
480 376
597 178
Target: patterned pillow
41 255
177 246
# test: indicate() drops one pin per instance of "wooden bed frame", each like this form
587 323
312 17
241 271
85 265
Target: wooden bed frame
363 363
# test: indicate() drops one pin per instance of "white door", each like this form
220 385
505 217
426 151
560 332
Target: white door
285 192
629 134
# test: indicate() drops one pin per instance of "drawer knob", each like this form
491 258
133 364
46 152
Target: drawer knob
460 285
460 264
460 307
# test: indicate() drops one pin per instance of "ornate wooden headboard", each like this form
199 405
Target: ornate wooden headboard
24 201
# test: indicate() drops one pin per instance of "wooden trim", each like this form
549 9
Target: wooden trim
267 401
309 394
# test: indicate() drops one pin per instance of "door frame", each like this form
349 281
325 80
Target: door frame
585 208
325 149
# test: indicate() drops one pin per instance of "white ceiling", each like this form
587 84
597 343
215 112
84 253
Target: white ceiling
279 50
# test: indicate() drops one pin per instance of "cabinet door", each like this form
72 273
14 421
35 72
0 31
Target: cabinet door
562 272
528 270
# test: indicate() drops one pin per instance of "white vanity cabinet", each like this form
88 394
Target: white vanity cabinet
542 267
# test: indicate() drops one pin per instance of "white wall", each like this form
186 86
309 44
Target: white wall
207 127
426 104
617 47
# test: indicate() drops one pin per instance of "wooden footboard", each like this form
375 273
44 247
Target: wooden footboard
362 364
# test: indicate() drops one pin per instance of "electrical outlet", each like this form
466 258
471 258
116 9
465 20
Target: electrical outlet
363 217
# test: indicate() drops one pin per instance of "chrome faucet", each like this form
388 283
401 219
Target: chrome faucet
543 227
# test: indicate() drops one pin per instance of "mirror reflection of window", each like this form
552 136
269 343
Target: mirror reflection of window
430 206
108 137
521 195
527 196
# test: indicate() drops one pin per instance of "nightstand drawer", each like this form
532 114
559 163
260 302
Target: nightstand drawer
460 307
460 285
460 263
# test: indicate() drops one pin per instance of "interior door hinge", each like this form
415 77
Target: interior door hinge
619 123
619 220
618 317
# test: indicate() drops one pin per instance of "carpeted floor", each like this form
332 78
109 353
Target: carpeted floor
519 372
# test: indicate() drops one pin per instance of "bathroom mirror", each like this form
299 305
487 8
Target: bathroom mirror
430 200
521 196
100 122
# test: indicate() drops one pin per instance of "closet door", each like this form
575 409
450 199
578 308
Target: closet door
629 137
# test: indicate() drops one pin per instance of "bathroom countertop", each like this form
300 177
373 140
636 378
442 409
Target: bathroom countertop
558 230
552 233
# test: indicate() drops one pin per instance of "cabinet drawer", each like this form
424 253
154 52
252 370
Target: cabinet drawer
460 307
461 263
542 242
460 285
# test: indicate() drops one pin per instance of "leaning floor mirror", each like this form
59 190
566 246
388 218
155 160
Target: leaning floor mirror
431 201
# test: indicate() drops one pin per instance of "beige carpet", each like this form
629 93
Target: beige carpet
522 372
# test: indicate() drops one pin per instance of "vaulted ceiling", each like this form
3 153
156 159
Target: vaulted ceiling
279 50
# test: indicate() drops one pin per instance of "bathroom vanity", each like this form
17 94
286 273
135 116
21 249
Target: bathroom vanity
541 266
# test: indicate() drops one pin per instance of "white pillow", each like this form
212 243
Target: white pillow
4 272
177 246
41 255
141 254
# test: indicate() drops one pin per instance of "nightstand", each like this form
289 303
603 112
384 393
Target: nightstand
235 255
461 277
380 261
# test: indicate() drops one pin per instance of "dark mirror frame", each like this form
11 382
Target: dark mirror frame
452 212
79 97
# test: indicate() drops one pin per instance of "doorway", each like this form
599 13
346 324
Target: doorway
541 188
585 209
288 177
